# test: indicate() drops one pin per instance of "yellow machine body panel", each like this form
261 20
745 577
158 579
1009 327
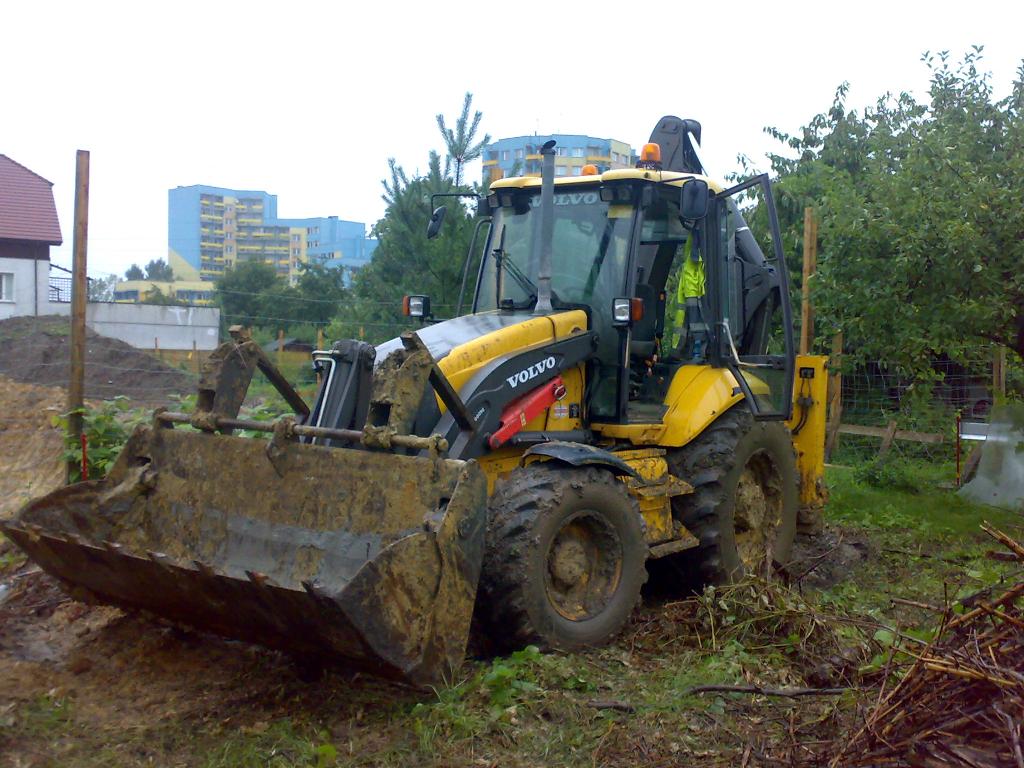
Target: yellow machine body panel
654 488
808 426
463 362
673 178
697 396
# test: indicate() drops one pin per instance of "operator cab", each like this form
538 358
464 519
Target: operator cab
628 235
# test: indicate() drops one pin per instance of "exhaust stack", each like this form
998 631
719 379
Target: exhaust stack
547 228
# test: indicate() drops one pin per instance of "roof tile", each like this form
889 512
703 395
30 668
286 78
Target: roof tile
27 210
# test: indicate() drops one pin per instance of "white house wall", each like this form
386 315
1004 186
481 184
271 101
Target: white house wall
31 296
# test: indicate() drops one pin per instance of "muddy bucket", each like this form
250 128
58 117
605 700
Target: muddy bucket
326 553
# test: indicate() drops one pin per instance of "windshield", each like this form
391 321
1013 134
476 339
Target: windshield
589 249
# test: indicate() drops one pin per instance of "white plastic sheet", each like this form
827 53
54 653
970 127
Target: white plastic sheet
1000 477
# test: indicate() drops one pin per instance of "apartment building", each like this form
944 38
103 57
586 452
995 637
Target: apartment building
212 228
520 155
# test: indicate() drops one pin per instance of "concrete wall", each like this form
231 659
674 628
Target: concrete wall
31 292
147 325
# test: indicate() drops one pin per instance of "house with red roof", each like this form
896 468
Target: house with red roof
28 227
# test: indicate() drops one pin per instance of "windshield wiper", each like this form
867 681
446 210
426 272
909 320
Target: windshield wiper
498 254
502 264
524 282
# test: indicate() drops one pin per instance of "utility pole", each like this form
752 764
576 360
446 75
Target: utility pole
79 291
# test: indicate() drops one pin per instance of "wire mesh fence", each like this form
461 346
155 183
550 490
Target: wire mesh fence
884 412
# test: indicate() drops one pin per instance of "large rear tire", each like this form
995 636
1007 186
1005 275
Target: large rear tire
565 558
746 493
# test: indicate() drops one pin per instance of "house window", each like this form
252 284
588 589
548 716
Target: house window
577 151
519 154
504 154
6 286
559 170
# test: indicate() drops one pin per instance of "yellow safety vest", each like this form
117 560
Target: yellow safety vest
691 282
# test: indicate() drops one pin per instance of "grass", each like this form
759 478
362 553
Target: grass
927 504
11 558
532 708
928 540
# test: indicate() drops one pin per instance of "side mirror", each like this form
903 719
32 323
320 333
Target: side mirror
693 200
436 219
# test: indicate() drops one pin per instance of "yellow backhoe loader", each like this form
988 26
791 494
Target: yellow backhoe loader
524 462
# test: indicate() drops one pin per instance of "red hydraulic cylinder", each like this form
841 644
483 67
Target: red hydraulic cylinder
519 412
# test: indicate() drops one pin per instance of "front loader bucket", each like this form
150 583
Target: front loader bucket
322 552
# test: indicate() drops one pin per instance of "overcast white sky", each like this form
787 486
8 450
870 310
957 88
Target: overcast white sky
308 100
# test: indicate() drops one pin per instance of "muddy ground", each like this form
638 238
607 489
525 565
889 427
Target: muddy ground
30 443
36 351
120 679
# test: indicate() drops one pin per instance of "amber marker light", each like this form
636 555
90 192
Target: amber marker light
651 153
589 170
636 307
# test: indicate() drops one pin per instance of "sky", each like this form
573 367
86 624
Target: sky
308 100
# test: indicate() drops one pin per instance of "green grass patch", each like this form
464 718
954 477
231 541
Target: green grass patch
45 717
11 558
913 496
280 744
928 540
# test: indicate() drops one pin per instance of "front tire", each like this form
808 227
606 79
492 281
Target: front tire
565 558
746 493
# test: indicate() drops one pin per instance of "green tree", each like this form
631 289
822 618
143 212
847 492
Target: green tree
134 272
159 271
155 296
245 294
921 206
321 293
460 142
102 288
405 261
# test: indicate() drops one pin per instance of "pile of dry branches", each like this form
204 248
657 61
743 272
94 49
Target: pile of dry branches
960 702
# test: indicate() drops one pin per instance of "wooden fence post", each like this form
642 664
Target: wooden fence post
999 375
79 293
195 355
810 264
887 438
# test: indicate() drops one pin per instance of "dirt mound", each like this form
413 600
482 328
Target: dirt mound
36 350
30 446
